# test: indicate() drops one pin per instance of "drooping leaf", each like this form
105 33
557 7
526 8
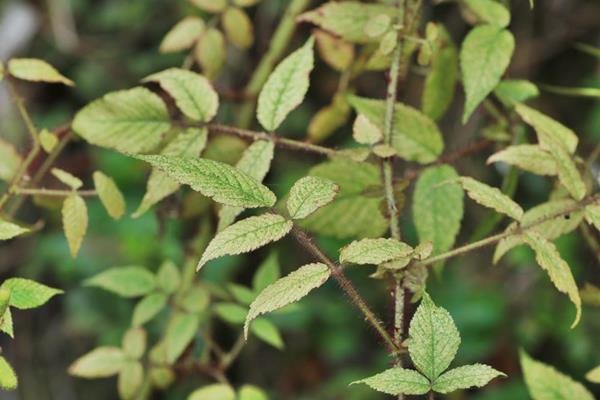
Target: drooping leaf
181 330
374 251
131 379
10 160
216 391
309 194
397 381
8 230
8 377
484 56
129 281
346 19
491 197
193 93
548 127
246 235
75 222
267 332
130 121
148 308
286 87
287 290
256 162
514 91
548 257
214 179
593 375
546 383
433 339
476 375
437 207
528 157
110 195
415 136
238 27
99 363
267 273
35 70
25 293
183 35
490 11
67 178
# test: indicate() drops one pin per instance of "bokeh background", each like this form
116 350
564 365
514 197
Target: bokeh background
107 45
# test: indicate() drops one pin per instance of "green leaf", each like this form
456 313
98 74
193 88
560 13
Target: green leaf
591 92
437 207
568 175
10 161
433 339
210 52
134 343
241 293
110 195
528 157
75 222
546 383
286 87
216 391
211 6
147 308
168 277
514 91
8 230
548 127
231 313
267 273
195 300
593 375
189 143
548 257
287 290
183 35
490 11
267 332
309 194
238 28
256 162
246 235
25 293
491 197
35 70
353 213
346 19
397 381
484 56
8 378
214 179
415 136
65 177
374 251
99 363
180 332
592 215
249 392
48 140
131 379
476 375
193 93
6 323
127 281
130 121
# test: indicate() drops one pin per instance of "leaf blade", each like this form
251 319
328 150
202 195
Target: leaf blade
309 194
397 381
476 375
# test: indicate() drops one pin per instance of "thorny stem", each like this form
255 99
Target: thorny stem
338 274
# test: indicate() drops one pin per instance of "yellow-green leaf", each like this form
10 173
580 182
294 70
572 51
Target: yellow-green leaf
397 381
490 11
35 70
75 222
238 27
10 161
212 6
592 215
131 379
548 127
216 391
48 140
99 363
337 53
210 52
183 35
309 194
374 251
68 179
528 157
8 230
127 281
26 294
8 378
110 195
491 197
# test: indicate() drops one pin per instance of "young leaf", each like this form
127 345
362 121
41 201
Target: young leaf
490 11
130 380
286 87
75 222
397 381
8 230
437 207
8 378
189 143
484 56
25 293
374 251
346 19
130 121
193 93
214 179
528 157
476 375
32 69
287 290
110 195
267 273
216 391
491 197
592 215
11 161
180 332
547 127
267 332
433 339
309 194
127 281
246 235
548 257
546 383
514 91
415 137
256 162
148 308
99 363
593 375
65 177
238 27
183 35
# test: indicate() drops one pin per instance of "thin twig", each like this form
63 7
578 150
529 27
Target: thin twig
53 192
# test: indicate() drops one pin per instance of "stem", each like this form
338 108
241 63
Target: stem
338 274
235 351
53 192
279 43
496 238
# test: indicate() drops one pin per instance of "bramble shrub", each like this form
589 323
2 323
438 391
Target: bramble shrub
389 196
